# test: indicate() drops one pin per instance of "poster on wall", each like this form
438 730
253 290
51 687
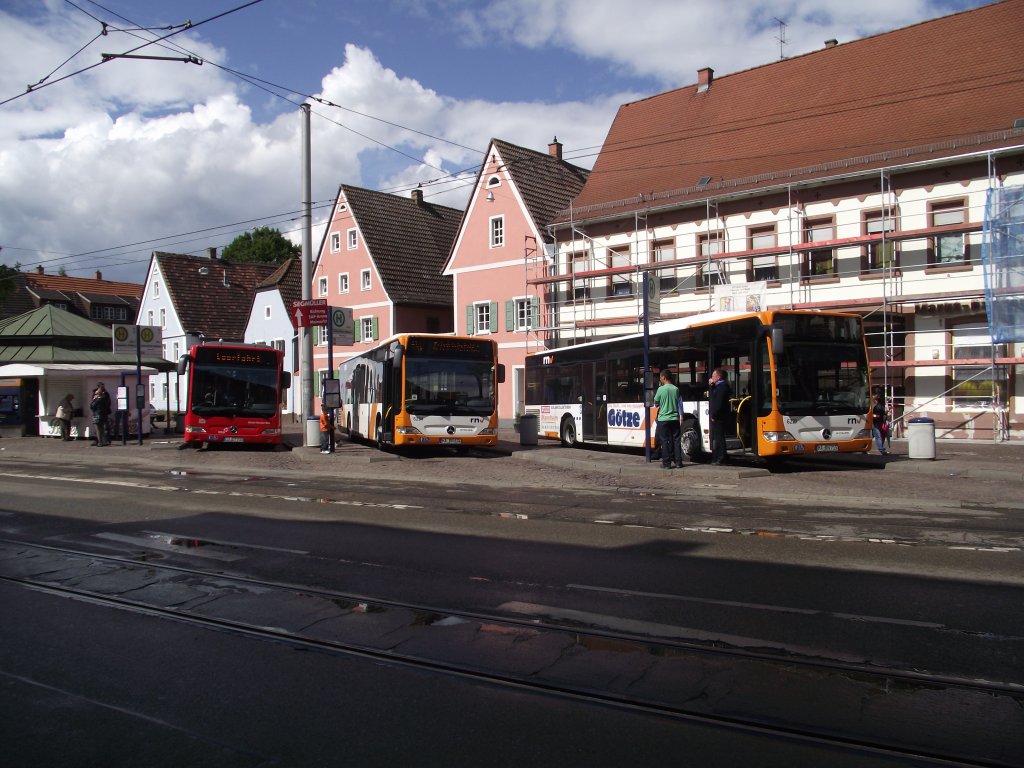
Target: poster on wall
741 297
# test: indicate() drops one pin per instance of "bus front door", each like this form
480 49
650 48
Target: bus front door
736 360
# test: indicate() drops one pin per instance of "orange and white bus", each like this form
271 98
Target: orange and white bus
418 389
799 381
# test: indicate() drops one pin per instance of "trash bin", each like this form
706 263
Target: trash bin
921 438
528 424
312 432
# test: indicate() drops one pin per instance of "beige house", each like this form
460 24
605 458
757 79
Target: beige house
851 178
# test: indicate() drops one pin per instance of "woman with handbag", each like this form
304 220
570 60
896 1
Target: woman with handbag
63 415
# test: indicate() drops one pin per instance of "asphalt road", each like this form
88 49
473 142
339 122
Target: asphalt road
605 559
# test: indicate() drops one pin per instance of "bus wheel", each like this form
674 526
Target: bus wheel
568 432
378 435
691 441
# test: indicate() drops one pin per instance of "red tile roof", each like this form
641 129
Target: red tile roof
941 88
34 289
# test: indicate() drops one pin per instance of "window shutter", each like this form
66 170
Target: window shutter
316 383
357 330
534 312
494 317
375 334
470 320
510 315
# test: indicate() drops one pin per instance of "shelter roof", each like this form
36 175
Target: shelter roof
51 335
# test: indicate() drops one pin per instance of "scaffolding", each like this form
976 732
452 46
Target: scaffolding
881 253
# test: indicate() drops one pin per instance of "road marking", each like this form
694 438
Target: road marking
206 492
763 607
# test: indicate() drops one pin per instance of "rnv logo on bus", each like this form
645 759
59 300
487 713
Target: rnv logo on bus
628 419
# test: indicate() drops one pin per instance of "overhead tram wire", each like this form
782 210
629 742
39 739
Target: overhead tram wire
92 256
132 50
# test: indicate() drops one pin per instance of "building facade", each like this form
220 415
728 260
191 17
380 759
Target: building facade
852 178
502 239
381 256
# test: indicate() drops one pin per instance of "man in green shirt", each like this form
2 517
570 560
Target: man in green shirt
668 433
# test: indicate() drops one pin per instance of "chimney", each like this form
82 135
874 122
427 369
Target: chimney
39 269
831 43
704 78
417 195
99 275
555 148
211 253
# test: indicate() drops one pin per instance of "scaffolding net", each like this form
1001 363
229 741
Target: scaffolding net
1002 257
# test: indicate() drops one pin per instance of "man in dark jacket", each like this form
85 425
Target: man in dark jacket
719 412
100 407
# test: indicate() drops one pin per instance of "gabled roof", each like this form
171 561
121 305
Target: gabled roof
408 242
212 297
941 88
51 335
33 289
546 183
287 279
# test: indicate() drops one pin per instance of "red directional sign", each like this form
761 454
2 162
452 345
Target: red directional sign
307 312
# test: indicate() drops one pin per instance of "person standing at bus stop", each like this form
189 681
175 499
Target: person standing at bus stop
100 407
719 412
326 431
667 399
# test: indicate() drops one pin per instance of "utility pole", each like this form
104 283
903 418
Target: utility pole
312 428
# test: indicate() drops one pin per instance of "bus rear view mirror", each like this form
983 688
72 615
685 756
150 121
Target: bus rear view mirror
182 365
501 373
286 380
778 340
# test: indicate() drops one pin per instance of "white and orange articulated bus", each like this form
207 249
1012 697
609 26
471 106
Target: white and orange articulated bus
420 389
799 382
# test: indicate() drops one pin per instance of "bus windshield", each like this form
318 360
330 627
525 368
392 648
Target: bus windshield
448 375
456 386
234 383
823 370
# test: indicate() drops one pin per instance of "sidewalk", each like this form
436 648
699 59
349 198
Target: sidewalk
964 474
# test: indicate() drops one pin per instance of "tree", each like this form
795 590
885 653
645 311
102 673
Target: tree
263 245
7 277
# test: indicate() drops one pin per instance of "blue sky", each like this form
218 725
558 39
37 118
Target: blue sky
100 169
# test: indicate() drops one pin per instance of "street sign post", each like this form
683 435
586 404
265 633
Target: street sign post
342 328
309 312
139 339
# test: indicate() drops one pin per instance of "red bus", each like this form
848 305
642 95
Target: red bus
234 393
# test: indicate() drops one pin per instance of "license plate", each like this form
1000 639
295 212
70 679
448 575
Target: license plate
451 441
233 440
826 448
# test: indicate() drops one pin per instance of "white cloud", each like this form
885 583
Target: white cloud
671 40
132 151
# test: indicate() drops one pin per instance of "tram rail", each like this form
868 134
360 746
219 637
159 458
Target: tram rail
999 745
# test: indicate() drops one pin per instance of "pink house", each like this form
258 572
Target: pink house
501 243
382 255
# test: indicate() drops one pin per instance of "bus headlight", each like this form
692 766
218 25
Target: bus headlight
488 431
778 437
196 430
271 432
863 433
408 431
